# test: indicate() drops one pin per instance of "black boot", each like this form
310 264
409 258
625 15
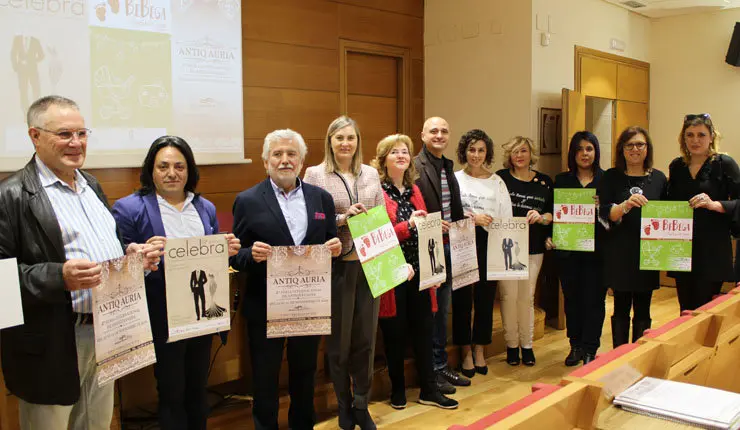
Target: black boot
575 357
620 330
639 327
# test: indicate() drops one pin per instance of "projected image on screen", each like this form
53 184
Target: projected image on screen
139 69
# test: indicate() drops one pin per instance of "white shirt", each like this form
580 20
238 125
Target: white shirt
181 223
293 206
487 196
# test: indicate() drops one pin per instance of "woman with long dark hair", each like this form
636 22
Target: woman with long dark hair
581 272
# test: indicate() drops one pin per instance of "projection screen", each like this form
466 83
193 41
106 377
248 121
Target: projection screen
139 69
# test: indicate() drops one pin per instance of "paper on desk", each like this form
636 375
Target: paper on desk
11 310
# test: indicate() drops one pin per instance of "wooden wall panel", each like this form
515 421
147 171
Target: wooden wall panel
292 22
417 79
277 65
370 25
413 8
372 75
633 83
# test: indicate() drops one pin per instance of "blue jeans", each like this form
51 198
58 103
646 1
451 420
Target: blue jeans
444 297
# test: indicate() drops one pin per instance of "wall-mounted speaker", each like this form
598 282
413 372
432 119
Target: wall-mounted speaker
733 52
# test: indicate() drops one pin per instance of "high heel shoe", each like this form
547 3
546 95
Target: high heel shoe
528 356
468 373
512 356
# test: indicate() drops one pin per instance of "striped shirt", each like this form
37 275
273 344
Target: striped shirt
88 228
446 196
181 223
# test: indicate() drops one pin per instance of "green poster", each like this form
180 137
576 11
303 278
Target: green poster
379 251
574 217
665 236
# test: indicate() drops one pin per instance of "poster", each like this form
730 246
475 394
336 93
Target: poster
299 291
463 253
11 308
508 248
432 265
665 236
123 336
379 250
197 275
574 219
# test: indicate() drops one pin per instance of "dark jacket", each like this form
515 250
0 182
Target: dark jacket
258 218
39 358
139 219
429 183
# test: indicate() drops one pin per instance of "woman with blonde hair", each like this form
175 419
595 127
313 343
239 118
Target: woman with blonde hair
710 182
355 188
531 197
406 312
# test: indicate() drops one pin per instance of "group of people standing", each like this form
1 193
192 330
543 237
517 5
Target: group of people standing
55 221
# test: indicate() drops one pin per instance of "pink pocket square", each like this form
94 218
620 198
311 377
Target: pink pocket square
319 215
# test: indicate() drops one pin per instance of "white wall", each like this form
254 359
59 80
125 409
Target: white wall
478 69
689 75
588 23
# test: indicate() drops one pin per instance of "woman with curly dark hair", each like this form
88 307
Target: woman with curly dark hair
484 197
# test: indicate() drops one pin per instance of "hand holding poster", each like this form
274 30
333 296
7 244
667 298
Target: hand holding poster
123 336
508 248
197 275
299 291
666 235
11 308
463 253
574 219
432 265
379 251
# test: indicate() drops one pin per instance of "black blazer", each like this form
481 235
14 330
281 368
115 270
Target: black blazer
39 358
430 185
258 218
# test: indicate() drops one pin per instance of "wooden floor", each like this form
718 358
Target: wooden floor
502 385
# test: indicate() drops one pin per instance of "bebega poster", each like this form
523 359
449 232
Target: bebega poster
432 264
197 286
666 234
299 291
378 249
574 227
508 249
463 253
123 335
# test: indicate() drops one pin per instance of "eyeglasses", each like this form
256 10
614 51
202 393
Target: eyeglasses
67 135
639 145
693 116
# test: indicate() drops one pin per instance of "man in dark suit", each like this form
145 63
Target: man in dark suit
430 246
280 211
197 281
506 246
55 220
25 56
441 193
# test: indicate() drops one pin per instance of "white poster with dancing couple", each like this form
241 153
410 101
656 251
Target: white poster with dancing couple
197 286
432 264
508 249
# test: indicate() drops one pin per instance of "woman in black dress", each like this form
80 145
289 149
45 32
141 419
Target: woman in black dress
710 182
581 272
624 189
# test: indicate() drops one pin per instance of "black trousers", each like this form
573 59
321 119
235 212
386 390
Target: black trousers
479 295
639 302
413 321
267 357
694 293
182 374
585 296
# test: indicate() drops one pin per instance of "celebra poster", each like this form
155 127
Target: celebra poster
299 291
379 250
197 275
463 254
508 248
432 265
123 336
11 309
574 221
665 236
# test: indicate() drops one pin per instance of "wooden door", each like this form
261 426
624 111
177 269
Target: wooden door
373 97
628 114
574 119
